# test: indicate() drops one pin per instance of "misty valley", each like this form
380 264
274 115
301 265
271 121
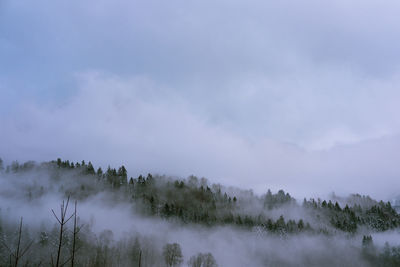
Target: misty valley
62 213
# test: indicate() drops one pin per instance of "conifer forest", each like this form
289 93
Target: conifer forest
63 213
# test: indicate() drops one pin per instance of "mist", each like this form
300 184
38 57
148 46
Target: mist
285 95
122 121
33 191
268 129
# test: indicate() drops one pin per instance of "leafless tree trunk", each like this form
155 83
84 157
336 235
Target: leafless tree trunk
18 253
74 239
18 244
62 221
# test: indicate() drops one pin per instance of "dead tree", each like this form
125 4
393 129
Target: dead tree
76 230
62 222
18 253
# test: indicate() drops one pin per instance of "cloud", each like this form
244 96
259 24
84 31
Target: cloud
307 73
256 94
139 123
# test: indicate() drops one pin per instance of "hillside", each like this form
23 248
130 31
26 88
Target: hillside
190 204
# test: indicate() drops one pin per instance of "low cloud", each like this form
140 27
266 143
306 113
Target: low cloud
113 120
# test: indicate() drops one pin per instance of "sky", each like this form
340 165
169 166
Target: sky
258 94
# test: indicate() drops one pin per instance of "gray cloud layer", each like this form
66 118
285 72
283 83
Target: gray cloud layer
112 120
300 95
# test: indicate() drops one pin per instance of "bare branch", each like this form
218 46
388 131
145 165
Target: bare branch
62 221
66 206
26 249
17 257
68 219
4 244
66 261
55 216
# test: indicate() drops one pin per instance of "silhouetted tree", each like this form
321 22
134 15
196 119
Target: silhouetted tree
62 221
19 252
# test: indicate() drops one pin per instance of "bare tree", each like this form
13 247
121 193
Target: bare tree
75 233
202 260
62 220
173 254
18 253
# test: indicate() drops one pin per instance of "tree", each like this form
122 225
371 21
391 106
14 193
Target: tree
300 225
123 175
122 172
19 252
90 169
196 261
75 233
367 242
1 165
209 261
62 221
15 166
368 248
99 172
136 253
202 260
172 254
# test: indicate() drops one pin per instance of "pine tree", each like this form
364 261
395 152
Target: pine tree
99 172
122 172
90 169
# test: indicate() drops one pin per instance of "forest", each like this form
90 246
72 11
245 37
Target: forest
63 213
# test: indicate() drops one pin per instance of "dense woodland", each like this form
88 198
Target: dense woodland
190 201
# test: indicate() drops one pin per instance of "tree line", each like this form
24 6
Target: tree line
189 201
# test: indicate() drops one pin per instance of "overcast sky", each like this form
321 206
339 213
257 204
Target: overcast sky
300 95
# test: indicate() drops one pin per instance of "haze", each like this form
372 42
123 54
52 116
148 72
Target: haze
258 94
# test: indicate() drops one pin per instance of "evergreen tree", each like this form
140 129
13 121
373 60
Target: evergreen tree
90 169
122 172
99 172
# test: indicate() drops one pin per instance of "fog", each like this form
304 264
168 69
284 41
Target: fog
102 211
252 95
300 96
111 119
